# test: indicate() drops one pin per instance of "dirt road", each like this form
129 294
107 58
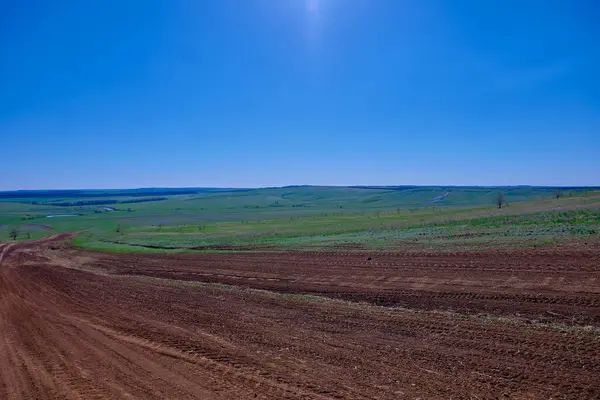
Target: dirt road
86 325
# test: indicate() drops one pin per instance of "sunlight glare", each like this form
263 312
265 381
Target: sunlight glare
312 6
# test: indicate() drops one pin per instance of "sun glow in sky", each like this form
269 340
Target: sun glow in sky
313 7
314 26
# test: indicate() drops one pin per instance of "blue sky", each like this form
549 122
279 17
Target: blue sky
118 94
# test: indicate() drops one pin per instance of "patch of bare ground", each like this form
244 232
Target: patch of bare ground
543 284
80 324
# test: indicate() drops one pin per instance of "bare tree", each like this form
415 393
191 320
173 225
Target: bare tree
500 199
558 193
14 233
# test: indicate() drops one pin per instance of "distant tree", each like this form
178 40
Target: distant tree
500 199
118 228
558 193
14 233
28 235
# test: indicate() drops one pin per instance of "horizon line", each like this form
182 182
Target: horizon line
224 188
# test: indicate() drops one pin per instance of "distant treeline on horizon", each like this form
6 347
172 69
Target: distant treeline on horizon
143 192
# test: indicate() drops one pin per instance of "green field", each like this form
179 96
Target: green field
307 217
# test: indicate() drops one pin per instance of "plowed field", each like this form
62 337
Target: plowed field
78 324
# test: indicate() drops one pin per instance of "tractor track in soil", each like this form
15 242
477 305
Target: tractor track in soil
77 324
546 286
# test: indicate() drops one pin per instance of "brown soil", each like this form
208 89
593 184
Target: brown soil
538 284
82 325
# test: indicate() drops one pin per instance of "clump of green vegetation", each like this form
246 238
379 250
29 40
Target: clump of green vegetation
14 233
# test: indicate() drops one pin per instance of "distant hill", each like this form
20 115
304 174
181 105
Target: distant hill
16 194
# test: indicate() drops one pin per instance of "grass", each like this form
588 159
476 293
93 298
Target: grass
316 218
